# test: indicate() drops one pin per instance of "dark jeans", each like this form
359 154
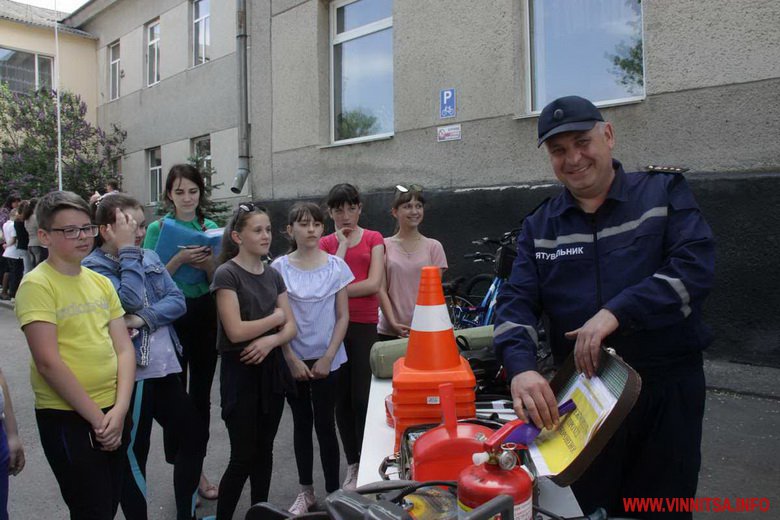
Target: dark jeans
655 453
90 479
15 273
197 332
164 400
314 407
252 418
354 385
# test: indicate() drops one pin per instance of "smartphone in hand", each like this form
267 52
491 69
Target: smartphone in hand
93 442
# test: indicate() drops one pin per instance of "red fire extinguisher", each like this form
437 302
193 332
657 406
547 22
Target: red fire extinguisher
496 472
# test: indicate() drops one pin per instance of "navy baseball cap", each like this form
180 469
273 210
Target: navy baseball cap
567 114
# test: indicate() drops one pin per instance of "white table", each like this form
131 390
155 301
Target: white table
379 439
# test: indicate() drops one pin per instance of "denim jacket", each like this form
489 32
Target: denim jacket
145 289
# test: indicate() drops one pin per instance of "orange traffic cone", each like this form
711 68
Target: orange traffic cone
431 343
431 359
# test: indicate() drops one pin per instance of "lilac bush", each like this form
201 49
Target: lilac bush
28 142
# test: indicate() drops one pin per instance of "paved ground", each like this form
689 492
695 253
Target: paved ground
741 452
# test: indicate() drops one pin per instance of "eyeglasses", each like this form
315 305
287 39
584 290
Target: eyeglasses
73 233
412 187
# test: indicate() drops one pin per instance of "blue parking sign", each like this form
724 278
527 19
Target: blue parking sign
446 103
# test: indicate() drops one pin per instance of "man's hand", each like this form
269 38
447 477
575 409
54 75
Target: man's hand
532 391
589 338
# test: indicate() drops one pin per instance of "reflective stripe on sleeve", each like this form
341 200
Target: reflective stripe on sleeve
679 287
509 325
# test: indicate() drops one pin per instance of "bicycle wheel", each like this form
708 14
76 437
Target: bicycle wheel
478 286
458 307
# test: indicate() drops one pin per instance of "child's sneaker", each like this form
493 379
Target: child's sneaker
305 500
350 482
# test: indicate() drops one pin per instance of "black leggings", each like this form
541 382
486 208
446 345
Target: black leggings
15 273
354 385
90 479
164 400
197 332
252 418
313 407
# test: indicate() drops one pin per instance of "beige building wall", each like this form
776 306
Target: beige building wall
78 68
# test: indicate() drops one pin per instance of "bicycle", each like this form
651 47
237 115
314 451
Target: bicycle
462 312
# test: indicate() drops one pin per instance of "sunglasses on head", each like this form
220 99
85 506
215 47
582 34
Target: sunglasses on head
249 207
412 187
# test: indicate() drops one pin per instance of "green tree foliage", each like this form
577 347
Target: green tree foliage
355 123
28 140
627 62
217 210
627 66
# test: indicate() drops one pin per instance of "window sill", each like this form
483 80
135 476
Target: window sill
600 104
358 140
196 65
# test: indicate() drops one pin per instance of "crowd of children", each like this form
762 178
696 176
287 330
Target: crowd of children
121 336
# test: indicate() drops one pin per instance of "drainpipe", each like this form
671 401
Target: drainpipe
242 173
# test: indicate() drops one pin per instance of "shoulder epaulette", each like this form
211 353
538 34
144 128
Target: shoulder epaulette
654 168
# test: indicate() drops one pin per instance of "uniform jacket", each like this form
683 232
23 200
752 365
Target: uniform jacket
646 254
144 290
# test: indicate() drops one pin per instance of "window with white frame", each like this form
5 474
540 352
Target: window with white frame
25 72
201 32
153 53
590 48
201 151
113 71
361 36
154 158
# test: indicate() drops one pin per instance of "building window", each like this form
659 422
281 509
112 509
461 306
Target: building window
361 68
154 156
591 48
153 53
201 34
201 152
25 72
113 71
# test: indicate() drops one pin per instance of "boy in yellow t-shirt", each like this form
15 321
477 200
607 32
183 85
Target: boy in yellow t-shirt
83 364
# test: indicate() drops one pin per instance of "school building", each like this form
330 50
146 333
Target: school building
445 94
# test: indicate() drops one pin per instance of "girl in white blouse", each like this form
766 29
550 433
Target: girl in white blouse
316 285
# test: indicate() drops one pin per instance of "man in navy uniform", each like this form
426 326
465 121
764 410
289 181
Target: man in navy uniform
626 260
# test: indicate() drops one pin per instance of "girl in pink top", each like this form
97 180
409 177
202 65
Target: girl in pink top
364 252
407 252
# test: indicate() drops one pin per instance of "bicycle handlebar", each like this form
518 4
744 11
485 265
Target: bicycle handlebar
480 257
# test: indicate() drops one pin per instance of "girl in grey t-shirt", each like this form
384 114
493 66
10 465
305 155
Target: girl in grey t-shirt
255 320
